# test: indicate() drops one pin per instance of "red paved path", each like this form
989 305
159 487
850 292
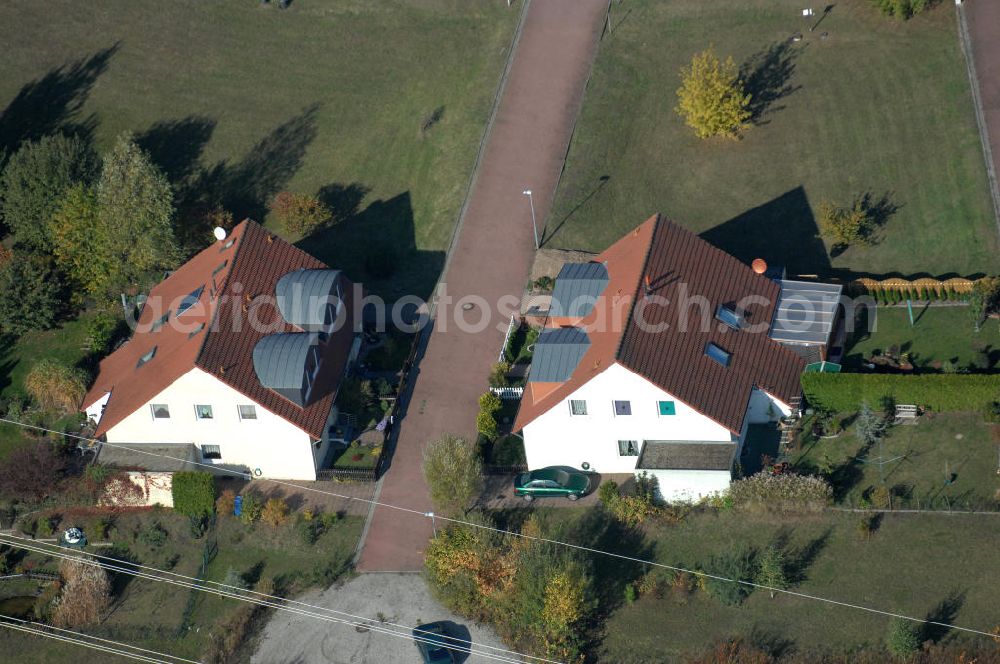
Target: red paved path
491 259
984 30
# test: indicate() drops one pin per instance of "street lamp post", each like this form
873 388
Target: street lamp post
534 223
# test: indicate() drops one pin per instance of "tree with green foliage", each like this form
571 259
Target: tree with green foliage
134 234
870 426
35 180
771 570
75 240
711 98
300 214
453 472
193 493
902 9
984 300
846 226
32 294
901 639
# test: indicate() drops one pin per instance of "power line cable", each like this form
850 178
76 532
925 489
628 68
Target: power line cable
133 653
578 547
277 598
244 596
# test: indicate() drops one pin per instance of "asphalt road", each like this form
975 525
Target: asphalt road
392 598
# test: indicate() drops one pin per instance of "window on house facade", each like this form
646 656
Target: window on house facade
211 452
716 353
161 411
577 407
203 412
628 448
623 408
248 412
146 358
666 407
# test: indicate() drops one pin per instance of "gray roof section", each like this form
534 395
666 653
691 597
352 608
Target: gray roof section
806 312
558 351
302 296
686 455
280 359
577 288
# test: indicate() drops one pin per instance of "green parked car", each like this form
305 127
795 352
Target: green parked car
552 481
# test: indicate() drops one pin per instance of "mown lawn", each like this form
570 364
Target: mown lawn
878 106
377 107
939 335
910 565
945 460
151 614
67 344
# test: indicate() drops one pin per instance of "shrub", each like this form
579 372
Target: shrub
299 213
901 639
309 530
453 472
56 386
251 509
781 492
102 331
226 504
275 512
486 421
844 392
86 594
33 294
738 565
498 375
153 535
193 493
47 526
235 579
631 510
902 9
880 497
31 472
771 570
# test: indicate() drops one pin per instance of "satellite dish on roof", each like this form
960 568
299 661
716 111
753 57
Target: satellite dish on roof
759 265
220 233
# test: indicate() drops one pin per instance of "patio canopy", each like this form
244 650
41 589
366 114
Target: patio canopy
806 312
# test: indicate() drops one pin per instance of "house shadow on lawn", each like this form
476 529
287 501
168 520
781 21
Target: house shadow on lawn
375 246
782 231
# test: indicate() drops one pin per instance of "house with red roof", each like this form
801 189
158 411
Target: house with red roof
236 359
658 354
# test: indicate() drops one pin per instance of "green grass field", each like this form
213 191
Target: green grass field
910 565
149 614
917 458
940 334
879 106
377 107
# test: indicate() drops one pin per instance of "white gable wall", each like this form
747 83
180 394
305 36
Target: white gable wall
278 448
689 486
557 438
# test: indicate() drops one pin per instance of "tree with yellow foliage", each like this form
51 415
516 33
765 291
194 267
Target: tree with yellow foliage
711 98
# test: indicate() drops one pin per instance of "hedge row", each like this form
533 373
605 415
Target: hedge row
844 392
193 493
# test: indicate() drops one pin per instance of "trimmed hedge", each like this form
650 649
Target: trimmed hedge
844 392
194 493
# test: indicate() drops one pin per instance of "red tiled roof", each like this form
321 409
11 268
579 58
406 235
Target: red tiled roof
253 264
678 263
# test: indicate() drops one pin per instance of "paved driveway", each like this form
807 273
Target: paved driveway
400 598
491 260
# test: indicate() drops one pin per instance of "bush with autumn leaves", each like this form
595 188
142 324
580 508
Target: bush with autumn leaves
538 596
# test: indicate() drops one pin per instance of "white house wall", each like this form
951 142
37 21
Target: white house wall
279 449
557 438
764 408
689 486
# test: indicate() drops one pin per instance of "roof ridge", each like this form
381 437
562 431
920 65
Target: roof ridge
635 299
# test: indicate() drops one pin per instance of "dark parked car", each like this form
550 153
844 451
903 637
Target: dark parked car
432 642
552 481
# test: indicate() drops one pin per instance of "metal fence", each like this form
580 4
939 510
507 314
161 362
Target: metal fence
508 393
347 474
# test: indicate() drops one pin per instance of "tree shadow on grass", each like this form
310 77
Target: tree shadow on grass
766 78
175 146
53 102
940 618
375 246
246 187
800 558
